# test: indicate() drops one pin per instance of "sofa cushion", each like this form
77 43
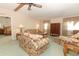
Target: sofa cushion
35 36
76 36
37 44
26 34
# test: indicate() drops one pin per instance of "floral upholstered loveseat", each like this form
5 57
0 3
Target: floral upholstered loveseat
70 43
33 44
71 39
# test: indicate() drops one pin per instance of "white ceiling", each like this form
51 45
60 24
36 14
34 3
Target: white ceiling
48 11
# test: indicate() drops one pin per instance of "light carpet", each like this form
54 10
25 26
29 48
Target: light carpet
9 47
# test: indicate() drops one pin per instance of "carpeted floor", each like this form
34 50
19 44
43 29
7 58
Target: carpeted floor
10 47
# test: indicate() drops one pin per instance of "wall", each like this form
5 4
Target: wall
63 22
4 21
16 20
41 22
75 19
58 20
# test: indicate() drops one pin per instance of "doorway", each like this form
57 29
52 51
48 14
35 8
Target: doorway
5 27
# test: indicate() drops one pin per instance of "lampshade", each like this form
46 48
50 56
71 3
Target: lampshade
1 26
46 26
37 26
21 26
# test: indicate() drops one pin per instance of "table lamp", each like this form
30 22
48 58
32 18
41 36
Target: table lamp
21 28
45 27
37 27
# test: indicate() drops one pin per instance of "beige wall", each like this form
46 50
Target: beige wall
26 21
63 22
16 20
68 19
41 23
4 21
56 20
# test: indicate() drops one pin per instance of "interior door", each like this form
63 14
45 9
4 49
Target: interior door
55 29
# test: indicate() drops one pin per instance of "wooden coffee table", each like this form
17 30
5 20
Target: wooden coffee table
68 47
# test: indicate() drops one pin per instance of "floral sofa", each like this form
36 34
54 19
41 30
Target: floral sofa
70 43
70 40
33 44
34 31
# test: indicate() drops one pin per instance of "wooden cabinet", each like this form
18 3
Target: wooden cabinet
7 30
1 31
55 29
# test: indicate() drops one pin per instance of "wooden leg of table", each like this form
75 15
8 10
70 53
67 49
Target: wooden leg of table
65 50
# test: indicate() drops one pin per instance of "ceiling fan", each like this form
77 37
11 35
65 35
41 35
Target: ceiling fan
29 6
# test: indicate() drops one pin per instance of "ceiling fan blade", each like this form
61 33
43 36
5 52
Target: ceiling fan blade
20 6
37 5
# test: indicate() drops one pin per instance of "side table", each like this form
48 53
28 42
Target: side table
17 35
